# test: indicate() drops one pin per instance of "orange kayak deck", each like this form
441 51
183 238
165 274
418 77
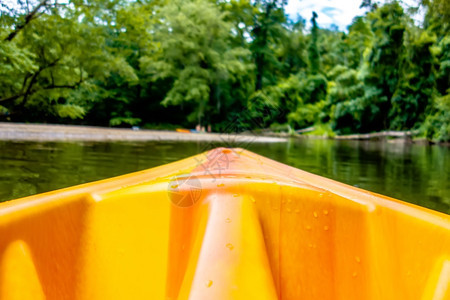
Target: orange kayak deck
225 224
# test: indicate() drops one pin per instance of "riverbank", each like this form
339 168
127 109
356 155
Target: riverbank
51 132
60 132
391 136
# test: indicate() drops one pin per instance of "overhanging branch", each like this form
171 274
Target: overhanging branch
28 18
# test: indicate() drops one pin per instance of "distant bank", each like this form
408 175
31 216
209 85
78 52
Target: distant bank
58 132
47 132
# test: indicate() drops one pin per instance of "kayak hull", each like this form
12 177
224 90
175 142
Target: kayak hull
225 224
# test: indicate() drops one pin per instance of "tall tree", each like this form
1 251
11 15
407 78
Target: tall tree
437 22
417 84
385 61
313 50
194 42
359 41
60 57
268 21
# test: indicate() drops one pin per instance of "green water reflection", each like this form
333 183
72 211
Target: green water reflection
414 173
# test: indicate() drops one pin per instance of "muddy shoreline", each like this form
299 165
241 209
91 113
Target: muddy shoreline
54 132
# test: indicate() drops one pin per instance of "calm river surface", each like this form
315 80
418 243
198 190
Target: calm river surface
415 173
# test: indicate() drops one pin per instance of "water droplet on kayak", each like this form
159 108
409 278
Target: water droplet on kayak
220 185
253 200
230 246
315 214
228 220
174 186
235 195
208 283
310 245
288 210
289 200
358 260
325 212
308 227
354 274
320 195
297 211
325 227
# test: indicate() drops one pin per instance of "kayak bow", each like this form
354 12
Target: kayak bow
225 224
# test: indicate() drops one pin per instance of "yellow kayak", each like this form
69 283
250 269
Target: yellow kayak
226 224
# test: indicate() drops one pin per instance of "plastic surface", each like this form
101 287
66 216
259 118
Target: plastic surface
227 224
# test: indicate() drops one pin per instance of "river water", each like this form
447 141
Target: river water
418 174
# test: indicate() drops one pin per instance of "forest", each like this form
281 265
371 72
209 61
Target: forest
236 65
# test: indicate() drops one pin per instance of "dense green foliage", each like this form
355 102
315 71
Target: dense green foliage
241 62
